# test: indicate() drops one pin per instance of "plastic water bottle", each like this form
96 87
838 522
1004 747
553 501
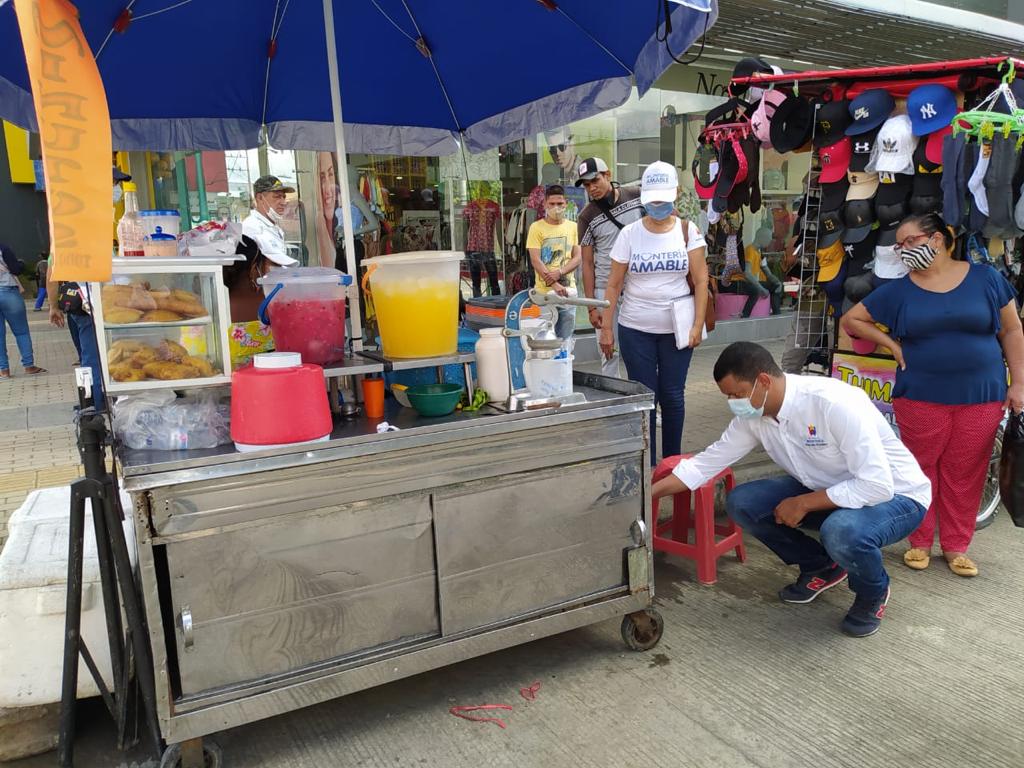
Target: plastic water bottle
130 232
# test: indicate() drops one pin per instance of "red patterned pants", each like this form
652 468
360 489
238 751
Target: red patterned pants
953 445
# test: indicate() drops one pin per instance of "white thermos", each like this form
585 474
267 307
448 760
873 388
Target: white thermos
492 365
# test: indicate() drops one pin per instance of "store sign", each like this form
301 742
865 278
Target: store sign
74 127
876 376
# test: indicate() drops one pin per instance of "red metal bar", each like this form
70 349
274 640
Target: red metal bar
869 73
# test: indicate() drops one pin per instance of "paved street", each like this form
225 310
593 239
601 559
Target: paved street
739 680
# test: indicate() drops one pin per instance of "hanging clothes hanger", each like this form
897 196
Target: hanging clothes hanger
983 122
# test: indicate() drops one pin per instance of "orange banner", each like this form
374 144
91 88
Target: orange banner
74 129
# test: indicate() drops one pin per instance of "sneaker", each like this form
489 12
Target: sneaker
810 585
865 617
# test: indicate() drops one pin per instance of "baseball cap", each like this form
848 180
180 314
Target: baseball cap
931 107
927 183
894 148
830 260
859 217
830 228
269 184
887 235
745 68
863 185
761 120
705 169
834 195
933 144
832 121
659 184
835 160
869 111
888 264
891 198
860 254
792 124
590 168
862 147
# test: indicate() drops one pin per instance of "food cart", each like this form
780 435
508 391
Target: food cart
276 579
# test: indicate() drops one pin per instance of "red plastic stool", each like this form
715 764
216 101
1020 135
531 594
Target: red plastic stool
706 549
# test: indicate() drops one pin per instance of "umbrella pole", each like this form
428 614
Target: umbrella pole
343 185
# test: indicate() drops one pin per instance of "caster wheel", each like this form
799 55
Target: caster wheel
642 631
212 756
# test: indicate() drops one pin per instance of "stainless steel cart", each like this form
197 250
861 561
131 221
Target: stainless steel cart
280 579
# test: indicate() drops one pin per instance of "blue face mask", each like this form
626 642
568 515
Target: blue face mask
659 211
744 409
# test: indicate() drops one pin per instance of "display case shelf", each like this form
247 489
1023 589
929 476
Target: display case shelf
183 352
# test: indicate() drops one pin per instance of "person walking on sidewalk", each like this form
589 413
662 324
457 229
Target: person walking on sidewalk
951 324
42 267
847 475
70 305
14 314
611 207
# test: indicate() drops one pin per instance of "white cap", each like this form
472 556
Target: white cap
660 183
888 264
277 360
894 147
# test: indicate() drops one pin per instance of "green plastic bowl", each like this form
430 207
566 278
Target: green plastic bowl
434 399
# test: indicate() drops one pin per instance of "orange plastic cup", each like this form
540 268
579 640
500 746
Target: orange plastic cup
373 398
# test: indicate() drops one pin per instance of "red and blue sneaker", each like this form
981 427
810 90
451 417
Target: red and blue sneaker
811 584
865 617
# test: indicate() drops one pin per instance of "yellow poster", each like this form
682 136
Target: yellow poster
74 129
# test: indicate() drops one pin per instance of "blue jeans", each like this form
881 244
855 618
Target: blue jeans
40 297
853 538
85 329
653 360
12 313
565 326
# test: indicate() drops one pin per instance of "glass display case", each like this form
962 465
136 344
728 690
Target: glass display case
163 324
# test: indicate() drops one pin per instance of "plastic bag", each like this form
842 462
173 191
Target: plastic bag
1011 469
163 422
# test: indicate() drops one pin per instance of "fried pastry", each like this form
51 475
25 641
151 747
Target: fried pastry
202 365
122 349
121 315
171 351
185 308
168 371
161 316
126 372
141 357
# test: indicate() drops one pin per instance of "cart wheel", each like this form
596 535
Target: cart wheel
642 630
212 756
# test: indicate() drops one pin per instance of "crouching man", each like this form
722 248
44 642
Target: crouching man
847 476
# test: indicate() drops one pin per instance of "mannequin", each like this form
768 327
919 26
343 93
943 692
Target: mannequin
481 215
328 222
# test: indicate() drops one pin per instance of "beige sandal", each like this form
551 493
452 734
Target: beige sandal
917 558
962 565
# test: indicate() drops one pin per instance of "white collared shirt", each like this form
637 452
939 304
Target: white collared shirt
269 237
828 436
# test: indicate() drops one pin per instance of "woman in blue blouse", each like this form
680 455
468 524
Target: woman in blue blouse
951 325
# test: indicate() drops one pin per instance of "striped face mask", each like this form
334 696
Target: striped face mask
919 257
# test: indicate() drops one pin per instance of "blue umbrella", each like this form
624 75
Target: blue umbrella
418 76
413 73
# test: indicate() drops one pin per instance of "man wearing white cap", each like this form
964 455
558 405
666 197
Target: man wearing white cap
611 208
662 319
262 226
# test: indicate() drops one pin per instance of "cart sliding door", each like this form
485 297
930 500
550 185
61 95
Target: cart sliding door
515 544
283 593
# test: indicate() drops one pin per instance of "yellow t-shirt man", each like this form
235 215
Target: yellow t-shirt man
555 242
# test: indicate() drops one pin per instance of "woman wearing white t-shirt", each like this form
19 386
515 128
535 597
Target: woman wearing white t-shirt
650 262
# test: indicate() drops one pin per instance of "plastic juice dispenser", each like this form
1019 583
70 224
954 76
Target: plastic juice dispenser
305 308
416 297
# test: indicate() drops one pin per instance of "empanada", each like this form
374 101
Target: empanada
167 371
201 364
125 372
186 308
171 351
141 357
121 315
187 296
122 349
161 316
